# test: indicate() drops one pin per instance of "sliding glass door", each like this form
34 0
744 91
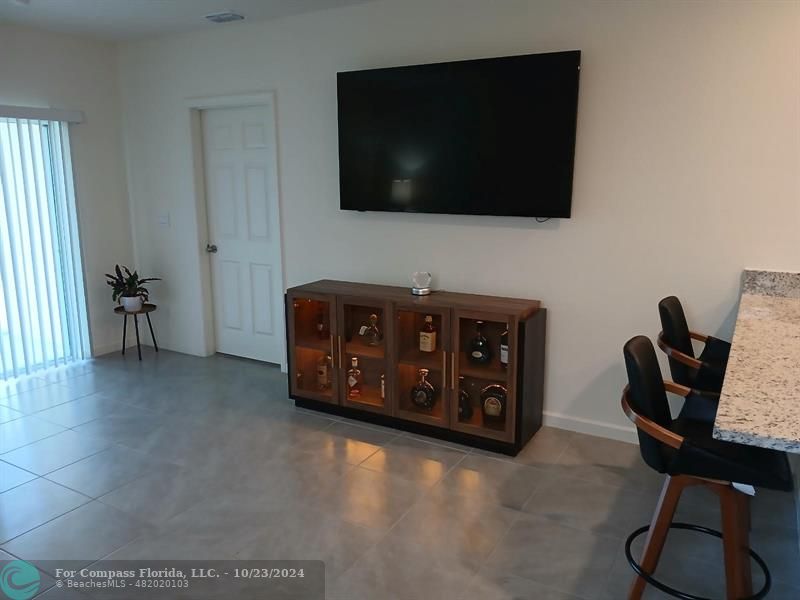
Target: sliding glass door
42 301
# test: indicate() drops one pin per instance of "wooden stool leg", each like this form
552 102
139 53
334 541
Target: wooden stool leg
735 507
124 332
659 527
138 345
152 335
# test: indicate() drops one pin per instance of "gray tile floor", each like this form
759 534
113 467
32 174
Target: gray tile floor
185 457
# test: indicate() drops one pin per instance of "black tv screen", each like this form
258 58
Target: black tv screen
493 136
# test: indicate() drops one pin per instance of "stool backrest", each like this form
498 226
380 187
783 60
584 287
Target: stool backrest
676 335
646 396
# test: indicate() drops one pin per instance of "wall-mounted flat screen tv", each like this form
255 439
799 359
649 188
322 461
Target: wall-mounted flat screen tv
492 136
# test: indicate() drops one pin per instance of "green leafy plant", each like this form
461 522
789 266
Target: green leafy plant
129 285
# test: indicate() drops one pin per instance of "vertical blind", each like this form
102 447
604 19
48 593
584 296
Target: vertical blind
42 300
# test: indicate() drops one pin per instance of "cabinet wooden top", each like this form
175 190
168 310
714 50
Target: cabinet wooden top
402 295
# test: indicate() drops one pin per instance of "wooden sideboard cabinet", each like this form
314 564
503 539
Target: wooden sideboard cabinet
328 325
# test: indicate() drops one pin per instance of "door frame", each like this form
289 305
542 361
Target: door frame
194 106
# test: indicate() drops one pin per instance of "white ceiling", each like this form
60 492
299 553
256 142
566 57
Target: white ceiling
131 19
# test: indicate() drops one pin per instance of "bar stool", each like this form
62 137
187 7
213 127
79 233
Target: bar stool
685 451
705 372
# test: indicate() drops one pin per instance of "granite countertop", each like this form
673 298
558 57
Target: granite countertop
760 400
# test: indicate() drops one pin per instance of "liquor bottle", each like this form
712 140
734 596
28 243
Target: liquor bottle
370 332
504 348
322 331
464 404
354 379
324 369
493 403
427 336
383 386
299 380
479 351
423 394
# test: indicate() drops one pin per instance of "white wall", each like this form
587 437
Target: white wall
686 168
45 69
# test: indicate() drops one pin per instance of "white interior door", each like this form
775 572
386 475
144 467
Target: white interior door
239 147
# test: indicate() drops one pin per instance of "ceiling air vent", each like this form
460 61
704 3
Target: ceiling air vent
224 17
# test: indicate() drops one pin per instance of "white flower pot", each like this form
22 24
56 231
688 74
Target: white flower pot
133 304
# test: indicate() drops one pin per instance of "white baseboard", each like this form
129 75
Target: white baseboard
591 427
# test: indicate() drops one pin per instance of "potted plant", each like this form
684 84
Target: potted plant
128 288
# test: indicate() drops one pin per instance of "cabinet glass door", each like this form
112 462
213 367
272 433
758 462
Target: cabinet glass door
311 351
422 343
311 323
484 365
365 342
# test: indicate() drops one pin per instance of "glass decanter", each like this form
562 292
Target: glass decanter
371 333
423 394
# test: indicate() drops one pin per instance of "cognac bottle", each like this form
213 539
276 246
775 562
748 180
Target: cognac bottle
464 404
423 394
370 332
354 380
427 336
479 351
504 348
493 403
324 369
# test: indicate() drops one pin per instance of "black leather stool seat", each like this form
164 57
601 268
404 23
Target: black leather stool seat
714 357
701 455
700 406
709 377
716 351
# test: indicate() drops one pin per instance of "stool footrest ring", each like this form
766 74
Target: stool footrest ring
683 595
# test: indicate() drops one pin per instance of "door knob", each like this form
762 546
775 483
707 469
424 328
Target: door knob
211 248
